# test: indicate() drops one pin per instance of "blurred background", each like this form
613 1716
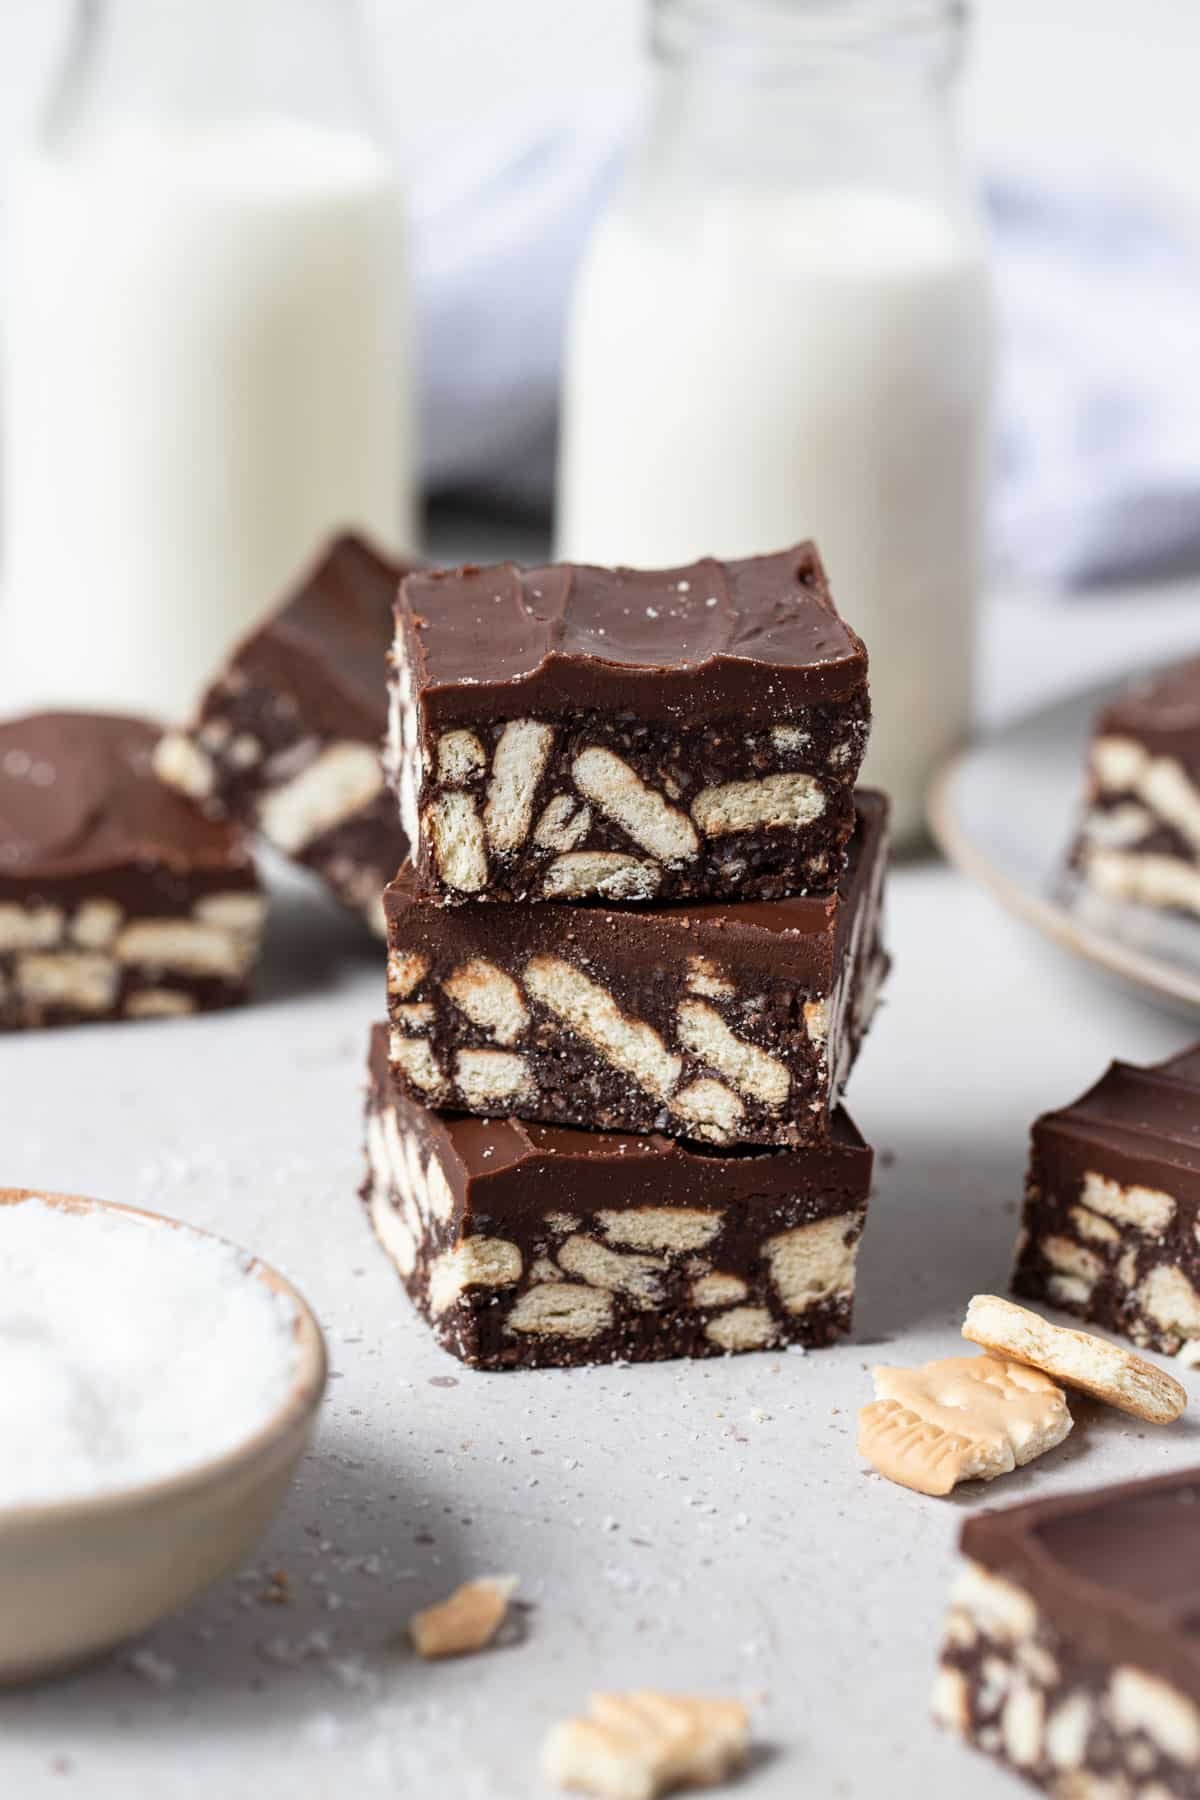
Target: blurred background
1073 89
509 125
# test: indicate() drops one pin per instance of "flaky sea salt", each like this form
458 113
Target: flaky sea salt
127 1352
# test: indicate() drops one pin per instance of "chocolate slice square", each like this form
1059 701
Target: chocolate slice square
1112 1206
730 1024
288 739
1140 836
1072 1646
529 1246
118 898
572 733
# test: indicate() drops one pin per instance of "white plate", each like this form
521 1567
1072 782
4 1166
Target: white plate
1004 813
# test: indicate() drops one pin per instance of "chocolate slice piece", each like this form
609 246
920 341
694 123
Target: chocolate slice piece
527 1246
1112 1206
288 738
1140 837
570 732
1071 1648
118 899
728 1024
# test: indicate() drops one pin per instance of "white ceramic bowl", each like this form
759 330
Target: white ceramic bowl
80 1576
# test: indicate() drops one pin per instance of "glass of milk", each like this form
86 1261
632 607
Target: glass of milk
781 330
207 367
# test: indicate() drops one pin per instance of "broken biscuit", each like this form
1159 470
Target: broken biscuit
1077 1358
636 1746
467 1621
962 1419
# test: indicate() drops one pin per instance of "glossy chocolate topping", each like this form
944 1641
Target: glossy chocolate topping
1117 1569
706 640
328 640
1152 1113
78 793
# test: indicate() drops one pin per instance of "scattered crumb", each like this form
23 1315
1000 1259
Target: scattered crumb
313 1646
352 1673
759 1416
151 1667
467 1621
278 1591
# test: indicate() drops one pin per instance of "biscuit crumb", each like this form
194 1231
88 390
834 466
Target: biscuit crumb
467 1621
637 1746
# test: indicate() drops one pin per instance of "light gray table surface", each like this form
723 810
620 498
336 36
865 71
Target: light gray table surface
703 1527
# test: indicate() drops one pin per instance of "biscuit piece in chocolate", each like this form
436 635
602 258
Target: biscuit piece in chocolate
574 733
527 1246
731 1024
118 898
1140 837
1071 1653
1112 1206
288 739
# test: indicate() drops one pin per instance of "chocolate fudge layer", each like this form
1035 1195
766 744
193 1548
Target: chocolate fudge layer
288 738
571 732
1071 1649
528 1246
1112 1206
1140 837
118 899
728 1024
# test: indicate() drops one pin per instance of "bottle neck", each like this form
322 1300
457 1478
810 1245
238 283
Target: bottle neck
801 94
201 62
781 43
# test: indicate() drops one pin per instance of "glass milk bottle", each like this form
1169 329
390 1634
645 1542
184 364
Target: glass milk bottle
781 330
206 370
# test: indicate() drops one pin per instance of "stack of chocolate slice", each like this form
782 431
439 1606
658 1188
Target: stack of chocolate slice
631 963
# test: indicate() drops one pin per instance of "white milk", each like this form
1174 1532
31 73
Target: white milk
801 365
204 380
